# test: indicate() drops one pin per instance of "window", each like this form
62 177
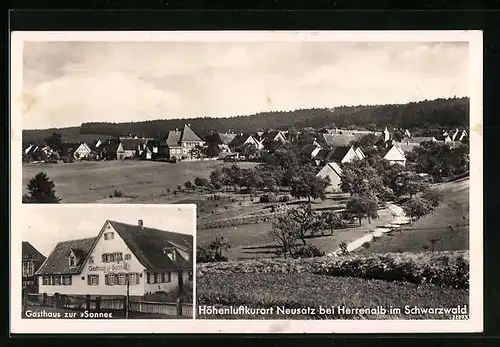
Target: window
66 280
166 277
72 260
57 280
110 279
109 235
46 280
190 275
133 279
93 280
27 268
91 260
122 278
159 277
118 256
128 256
151 278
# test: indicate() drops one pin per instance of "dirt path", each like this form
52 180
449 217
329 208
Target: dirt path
399 220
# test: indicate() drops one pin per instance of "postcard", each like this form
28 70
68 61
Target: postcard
246 182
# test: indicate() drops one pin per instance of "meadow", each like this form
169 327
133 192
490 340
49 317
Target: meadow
139 181
446 229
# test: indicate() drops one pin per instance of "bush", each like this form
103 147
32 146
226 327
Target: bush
307 251
201 182
449 269
116 194
269 197
284 198
188 185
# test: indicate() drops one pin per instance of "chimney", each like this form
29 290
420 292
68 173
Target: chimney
140 223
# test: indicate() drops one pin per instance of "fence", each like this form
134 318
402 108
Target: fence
109 304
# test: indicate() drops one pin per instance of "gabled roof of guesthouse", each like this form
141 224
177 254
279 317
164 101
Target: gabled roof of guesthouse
57 261
189 135
147 245
340 140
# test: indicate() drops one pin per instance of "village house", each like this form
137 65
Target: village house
395 155
340 139
340 154
241 139
82 151
32 259
180 143
334 173
219 144
310 151
270 137
146 260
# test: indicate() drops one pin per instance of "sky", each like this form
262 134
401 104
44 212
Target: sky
47 225
67 83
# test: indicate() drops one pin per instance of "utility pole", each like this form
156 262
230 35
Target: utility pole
127 301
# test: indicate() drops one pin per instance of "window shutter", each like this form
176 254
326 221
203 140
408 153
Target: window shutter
137 278
106 280
88 280
104 258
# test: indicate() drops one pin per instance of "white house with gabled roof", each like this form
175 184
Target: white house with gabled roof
147 260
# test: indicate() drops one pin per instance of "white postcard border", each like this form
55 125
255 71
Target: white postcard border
474 324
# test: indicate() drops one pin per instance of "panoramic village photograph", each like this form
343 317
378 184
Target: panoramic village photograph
325 174
106 262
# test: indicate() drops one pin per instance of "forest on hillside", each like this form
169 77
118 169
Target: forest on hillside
439 113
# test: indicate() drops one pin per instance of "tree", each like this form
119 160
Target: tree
42 190
305 184
219 245
189 185
198 151
358 177
54 141
284 232
363 206
201 182
248 150
410 183
416 207
306 221
332 221
433 196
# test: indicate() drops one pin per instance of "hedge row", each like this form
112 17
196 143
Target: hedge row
264 218
439 268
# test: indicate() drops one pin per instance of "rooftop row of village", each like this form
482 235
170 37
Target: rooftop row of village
334 144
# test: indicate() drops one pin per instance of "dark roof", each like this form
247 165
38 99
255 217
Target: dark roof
239 139
174 138
335 154
68 148
308 149
57 263
30 252
131 144
110 146
147 244
189 135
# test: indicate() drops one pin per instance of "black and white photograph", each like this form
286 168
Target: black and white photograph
332 174
108 262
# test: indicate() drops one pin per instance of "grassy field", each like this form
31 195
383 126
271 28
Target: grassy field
252 240
291 290
140 181
433 232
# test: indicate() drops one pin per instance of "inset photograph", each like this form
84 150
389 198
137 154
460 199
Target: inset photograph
118 261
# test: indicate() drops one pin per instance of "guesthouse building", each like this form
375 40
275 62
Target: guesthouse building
121 257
